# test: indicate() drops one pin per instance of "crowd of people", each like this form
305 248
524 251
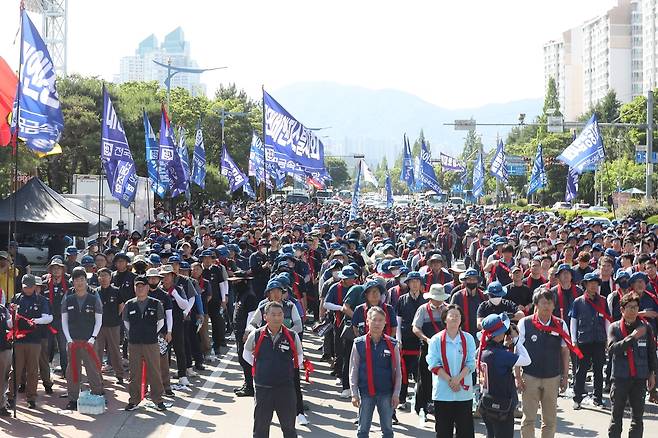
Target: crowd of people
452 313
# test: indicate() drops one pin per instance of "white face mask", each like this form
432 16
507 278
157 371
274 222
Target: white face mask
264 250
395 272
533 248
554 257
167 246
495 300
525 261
335 274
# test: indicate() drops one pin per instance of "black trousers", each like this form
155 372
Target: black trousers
218 324
246 367
454 415
192 344
338 350
178 343
345 371
423 382
594 355
299 400
500 428
328 347
632 391
269 400
411 365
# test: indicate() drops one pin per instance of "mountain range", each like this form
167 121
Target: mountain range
359 120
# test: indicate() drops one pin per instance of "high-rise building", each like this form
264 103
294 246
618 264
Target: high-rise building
604 53
174 49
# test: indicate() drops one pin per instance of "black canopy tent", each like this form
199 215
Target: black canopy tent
40 209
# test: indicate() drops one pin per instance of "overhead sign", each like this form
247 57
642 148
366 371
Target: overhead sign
641 157
555 124
465 125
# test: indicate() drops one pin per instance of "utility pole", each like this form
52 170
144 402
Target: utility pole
649 188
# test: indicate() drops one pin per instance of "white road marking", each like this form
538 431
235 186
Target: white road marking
193 407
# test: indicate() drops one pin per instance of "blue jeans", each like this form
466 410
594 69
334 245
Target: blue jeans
384 409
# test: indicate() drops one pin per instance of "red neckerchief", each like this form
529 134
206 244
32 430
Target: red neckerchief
652 296
444 357
434 324
311 262
430 278
466 308
629 350
202 282
387 327
555 326
369 365
295 285
339 314
598 306
560 298
293 347
531 281
51 288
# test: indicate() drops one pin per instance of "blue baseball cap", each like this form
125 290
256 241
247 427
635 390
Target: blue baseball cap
621 274
348 272
414 275
71 250
273 284
496 325
564 267
495 289
87 260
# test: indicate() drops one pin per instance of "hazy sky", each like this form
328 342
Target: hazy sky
459 53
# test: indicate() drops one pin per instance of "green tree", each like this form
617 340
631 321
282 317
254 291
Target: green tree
337 168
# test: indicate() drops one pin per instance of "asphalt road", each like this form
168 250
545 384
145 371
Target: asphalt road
212 410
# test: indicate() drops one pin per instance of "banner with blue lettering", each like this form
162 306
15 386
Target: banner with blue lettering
157 186
427 174
571 191
586 150
538 177
418 182
115 155
407 173
168 157
478 176
236 178
449 164
498 163
246 188
289 144
257 162
356 195
40 119
184 156
199 159
389 191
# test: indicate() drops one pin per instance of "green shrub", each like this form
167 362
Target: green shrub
644 211
652 220
522 202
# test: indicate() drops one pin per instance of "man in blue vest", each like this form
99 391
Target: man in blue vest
275 353
82 318
589 324
632 347
375 375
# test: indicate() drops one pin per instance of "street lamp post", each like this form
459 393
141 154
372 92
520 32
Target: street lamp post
223 114
174 70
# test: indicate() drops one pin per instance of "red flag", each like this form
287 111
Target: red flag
8 84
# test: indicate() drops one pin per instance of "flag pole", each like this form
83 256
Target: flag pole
100 175
15 151
265 160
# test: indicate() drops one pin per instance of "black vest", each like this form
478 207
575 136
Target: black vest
4 345
143 326
32 306
500 380
81 319
275 365
111 301
544 349
620 366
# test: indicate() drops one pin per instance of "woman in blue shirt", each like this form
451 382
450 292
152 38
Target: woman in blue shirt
451 358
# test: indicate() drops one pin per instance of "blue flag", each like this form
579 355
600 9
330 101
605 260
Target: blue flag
427 174
389 191
356 195
478 176
289 144
184 156
159 181
499 164
246 188
115 155
418 182
199 159
407 173
450 164
571 191
257 162
236 178
40 119
169 160
586 150
538 178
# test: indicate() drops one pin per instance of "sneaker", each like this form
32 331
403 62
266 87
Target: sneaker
199 367
183 381
339 381
577 406
518 412
192 373
48 389
395 419
161 406
119 380
405 406
302 420
211 358
72 406
346 394
246 392
599 403
31 404
130 407
169 393
242 388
